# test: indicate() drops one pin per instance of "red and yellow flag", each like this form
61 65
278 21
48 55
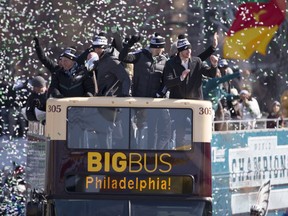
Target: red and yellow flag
255 24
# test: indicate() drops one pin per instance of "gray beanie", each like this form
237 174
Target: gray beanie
38 81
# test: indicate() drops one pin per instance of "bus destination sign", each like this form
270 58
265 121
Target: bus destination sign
109 184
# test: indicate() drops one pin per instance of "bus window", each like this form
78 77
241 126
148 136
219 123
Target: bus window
91 207
129 128
168 208
156 128
98 128
132 207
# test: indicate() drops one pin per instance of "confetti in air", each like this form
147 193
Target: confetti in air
59 24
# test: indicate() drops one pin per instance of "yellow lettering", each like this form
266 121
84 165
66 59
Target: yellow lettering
114 184
94 162
164 185
135 161
98 183
107 162
119 162
122 183
89 180
143 185
155 163
130 184
164 162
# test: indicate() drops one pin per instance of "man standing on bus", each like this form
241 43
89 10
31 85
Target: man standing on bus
183 77
183 73
112 78
147 82
73 80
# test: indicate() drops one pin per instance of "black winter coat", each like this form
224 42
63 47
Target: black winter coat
112 78
191 86
148 71
35 101
77 84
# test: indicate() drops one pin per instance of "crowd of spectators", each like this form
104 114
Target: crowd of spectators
120 69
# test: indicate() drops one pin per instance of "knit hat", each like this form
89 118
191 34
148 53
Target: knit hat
70 53
157 41
38 81
223 63
100 41
183 43
234 91
276 103
244 91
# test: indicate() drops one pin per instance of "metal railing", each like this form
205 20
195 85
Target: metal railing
255 124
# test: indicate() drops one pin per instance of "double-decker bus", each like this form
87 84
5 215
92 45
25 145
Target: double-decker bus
128 156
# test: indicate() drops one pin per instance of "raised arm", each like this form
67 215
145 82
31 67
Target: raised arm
50 64
210 50
124 55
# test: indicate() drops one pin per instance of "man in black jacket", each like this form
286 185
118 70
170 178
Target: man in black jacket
36 102
73 80
49 63
183 73
147 82
148 65
183 76
112 78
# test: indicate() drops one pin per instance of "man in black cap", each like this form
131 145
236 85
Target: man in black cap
112 78
73 80
148 65
147 82
183 73
36 102
183 76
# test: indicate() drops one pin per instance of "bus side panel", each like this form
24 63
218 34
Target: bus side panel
241 163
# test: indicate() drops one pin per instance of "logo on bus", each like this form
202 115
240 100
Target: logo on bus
133 163
131 173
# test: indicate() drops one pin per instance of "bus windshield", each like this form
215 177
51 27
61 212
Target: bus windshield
129 128
130 208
